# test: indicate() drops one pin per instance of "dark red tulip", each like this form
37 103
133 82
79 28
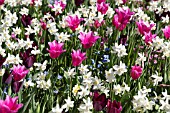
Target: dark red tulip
2 2
78 2
28 60
7 77
26 20
123 39
114 107
99 101
2 60
16 86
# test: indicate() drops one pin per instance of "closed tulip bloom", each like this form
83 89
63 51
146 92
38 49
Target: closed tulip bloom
113 107
148 37
102 7
78 2
99 101
100 1
136 72
144 27
9 105
166 31
77 57
73 22
2 2
87 39
121 19
19 72
56 49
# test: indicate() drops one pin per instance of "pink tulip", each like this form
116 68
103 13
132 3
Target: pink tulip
43 24
73 22
113 107
136 72
121 19
87 39
77 57
144 27
97 24
56 49
102 7
9 105
2 2
148 37
100 1
166 31
19 72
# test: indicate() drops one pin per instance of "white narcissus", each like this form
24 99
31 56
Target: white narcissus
68 104
120 69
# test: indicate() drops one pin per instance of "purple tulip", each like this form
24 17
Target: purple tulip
28 60
26 20
7 77
78 2
113 107
99 101
2 60
16 86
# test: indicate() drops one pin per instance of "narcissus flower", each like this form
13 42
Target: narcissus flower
73 22
56 49
88 39
121 19
77 57
144 27
136 72
9 105
99 101
166 31
19 72
113 107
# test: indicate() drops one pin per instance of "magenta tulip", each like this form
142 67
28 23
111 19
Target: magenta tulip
136 72
2 2
87 39
121 19
19 72
100 1
102 7
56 49
166 31
9 105
113 107
144 27
148 37
73 22
77 57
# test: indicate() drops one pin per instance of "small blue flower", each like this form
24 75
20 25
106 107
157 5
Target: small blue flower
59 77
99 65
93 62
107 49
46 72
105 58
55 91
